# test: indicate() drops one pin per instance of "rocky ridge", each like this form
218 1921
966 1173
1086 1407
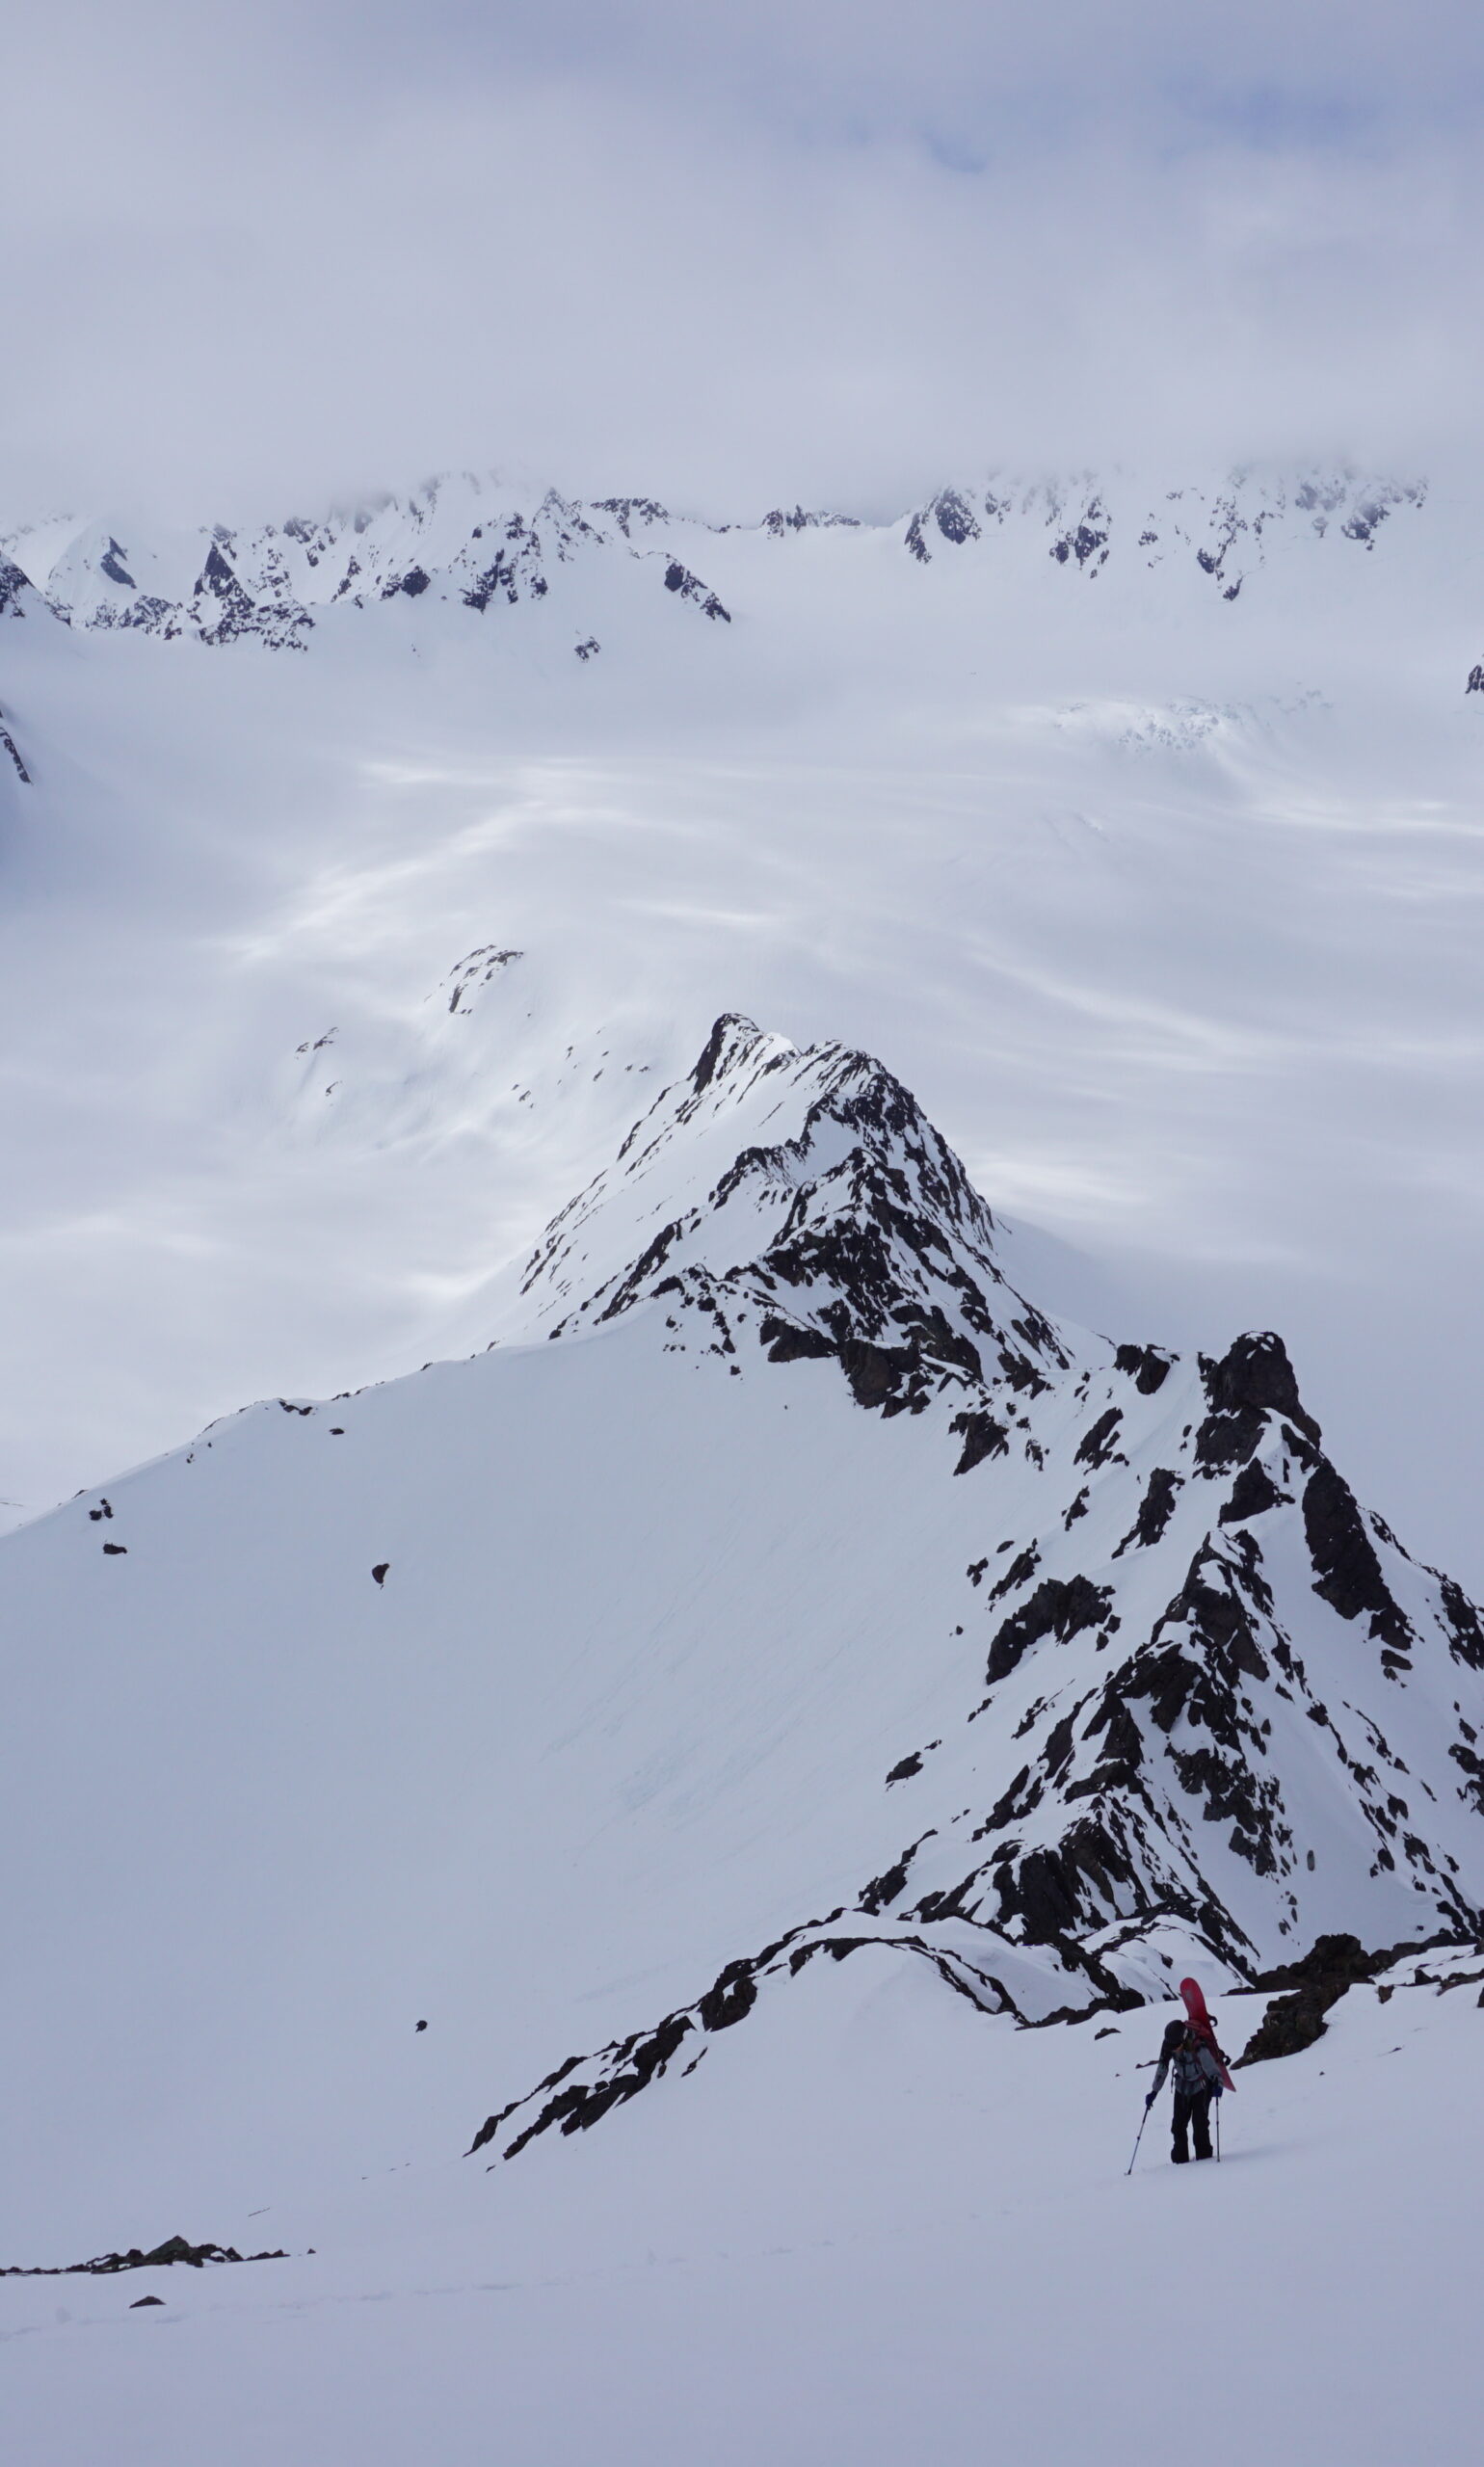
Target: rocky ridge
1211 1705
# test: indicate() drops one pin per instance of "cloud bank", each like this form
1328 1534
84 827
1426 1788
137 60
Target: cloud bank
262 259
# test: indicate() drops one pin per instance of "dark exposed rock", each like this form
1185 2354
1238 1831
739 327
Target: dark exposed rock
1144 1365
1021 1568
10 748
1253 1493
644 1267
1155 1509
1256 1374
1226 1440
1123 1751
1292 2023
954 519
628 511
1011 1807
492 2124
176 2248
876 1373
1219 1623
1056 1754
679 579
1022 1375
14 588
1055 1890
1196 1676
904 1772
1471 1765
1096 1443
891 1883
379 1571
1063 1609
498 576
983 1436
1464 1627
780 523
1084 541
724 1032
581 2105
1347 1573
733 1994
1253 1379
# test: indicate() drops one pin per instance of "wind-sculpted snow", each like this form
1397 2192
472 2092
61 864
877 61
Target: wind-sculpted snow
483 548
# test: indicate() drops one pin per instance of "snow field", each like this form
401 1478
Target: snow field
873 2225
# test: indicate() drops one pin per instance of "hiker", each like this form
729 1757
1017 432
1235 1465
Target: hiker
1197 2081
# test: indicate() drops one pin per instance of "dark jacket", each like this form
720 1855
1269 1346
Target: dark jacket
1196 2072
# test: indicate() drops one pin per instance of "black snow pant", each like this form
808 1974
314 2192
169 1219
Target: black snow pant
1192 2107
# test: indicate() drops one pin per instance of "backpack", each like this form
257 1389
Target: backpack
1191 2078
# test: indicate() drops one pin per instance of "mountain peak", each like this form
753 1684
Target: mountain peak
1193 1649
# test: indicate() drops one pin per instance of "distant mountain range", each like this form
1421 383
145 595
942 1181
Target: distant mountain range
482 547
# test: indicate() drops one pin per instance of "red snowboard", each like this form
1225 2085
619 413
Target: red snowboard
1201 2024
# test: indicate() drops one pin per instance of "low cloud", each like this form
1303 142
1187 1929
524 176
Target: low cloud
730 255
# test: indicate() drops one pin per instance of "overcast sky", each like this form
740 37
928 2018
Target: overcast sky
258 256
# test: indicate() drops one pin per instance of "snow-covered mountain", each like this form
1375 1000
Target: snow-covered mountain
782 1582
1184 1639
785 1623
486 547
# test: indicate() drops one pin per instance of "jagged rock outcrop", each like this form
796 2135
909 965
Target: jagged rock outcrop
11 750
176 2248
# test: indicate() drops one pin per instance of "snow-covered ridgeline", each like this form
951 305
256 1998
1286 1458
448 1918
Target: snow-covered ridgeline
782 1582
481 546
1220 1706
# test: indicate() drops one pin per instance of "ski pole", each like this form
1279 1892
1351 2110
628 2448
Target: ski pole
1138 2137
1218 2133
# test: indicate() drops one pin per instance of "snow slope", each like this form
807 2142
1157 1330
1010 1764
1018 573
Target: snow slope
597 1681
895 2230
